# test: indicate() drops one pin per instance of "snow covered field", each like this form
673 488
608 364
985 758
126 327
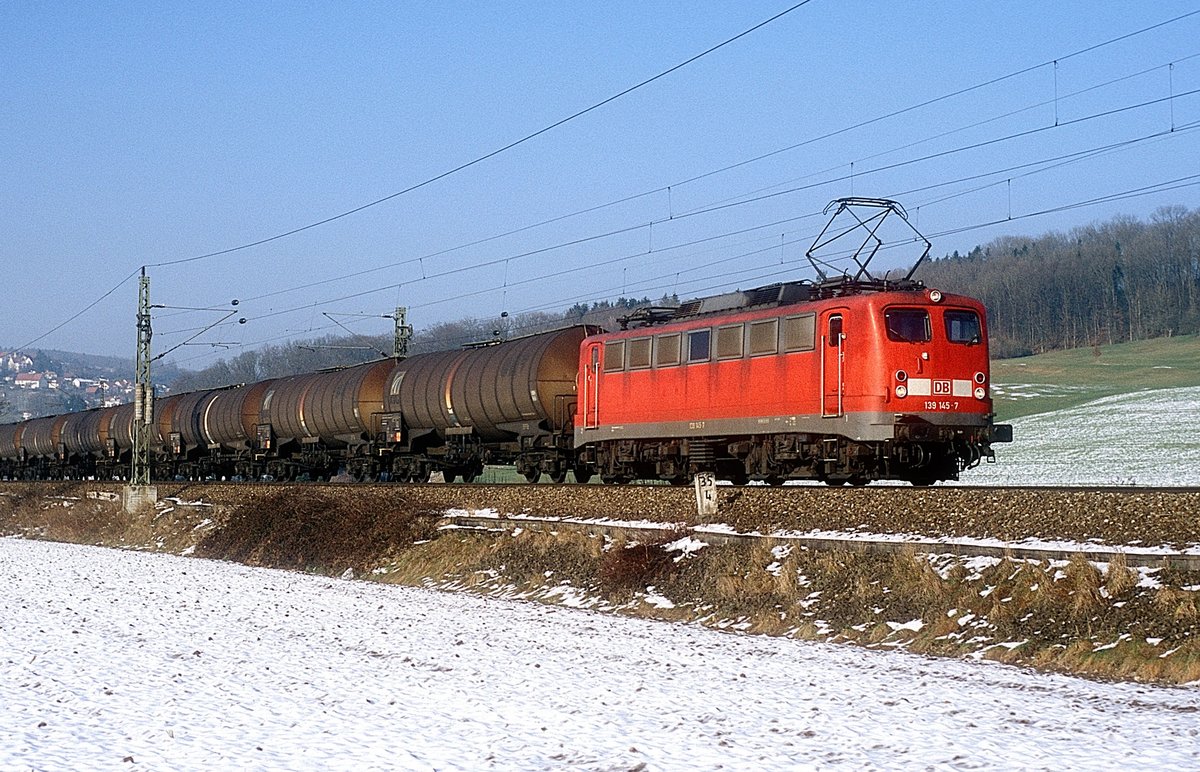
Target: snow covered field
123 660
1144 438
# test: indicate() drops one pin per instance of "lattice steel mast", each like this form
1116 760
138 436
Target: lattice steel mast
143 409
404 333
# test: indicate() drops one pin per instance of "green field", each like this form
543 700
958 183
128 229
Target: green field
1065 379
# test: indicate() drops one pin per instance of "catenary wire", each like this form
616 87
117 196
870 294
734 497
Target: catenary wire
488 155
710 173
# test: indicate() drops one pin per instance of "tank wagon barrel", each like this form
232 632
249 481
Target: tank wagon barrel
508 402
228 417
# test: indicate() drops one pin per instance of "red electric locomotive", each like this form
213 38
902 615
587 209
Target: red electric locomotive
844 381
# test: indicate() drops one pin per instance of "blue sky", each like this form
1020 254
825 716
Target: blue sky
142 133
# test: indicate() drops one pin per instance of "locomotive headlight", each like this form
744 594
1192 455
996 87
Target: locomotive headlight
901 376
902 391
980 378
935 295
980 392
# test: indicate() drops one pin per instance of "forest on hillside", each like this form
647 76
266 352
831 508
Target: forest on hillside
1120 280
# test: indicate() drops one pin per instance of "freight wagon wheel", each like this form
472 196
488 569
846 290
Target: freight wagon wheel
533 475
582 476
420 474
678 481
470 473
774 481
559 477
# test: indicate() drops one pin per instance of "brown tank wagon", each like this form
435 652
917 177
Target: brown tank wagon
503 402
450 411
499 392
10 444
337 407
42 436
81 432
228 417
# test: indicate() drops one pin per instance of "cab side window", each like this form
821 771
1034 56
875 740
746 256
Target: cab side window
639 353
907 325
963 327
799 332
835 330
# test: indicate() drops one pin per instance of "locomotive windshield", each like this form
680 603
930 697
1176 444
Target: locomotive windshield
907 325
963 327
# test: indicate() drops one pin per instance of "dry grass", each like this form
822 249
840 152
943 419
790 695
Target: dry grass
630 567
1083 581
1119 579
314 531
1177 605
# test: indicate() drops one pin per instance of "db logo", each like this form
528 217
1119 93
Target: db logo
941 387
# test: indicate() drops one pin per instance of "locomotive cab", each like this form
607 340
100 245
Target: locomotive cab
934 373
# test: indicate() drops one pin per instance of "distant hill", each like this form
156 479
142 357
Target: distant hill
42 382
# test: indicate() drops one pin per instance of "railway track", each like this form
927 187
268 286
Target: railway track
1148 526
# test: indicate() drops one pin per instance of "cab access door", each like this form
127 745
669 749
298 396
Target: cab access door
833 364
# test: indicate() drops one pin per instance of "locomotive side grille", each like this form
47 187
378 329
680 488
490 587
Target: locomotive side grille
763 295
700 454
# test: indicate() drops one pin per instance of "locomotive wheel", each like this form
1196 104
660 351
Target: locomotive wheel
419 474
533 475
614 479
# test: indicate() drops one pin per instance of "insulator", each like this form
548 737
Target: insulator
138 403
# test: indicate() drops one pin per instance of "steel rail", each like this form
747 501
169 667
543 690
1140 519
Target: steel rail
964 548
